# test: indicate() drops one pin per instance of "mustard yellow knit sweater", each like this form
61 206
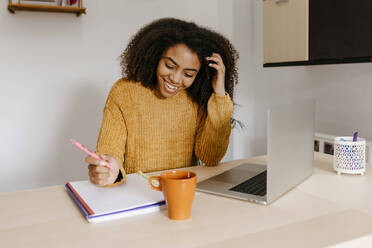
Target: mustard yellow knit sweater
147 132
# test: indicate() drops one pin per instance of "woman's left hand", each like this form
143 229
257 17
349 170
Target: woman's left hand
218 81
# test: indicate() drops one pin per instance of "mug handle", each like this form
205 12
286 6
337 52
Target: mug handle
155 179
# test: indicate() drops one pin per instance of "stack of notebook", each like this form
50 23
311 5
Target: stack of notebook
130 198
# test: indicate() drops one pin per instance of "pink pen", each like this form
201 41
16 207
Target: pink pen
90 153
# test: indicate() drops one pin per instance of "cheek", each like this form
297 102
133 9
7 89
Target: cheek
162 70
188 82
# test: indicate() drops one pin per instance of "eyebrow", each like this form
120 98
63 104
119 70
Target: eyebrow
174 62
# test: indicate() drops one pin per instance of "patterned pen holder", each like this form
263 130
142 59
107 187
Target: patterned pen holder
349 156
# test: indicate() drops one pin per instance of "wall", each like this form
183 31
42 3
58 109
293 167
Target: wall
343 92
55 73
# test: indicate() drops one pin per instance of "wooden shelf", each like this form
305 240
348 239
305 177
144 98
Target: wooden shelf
45 8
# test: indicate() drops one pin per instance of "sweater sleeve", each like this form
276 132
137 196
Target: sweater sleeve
113 133
212 137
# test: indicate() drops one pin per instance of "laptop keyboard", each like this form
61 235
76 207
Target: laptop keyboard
254 186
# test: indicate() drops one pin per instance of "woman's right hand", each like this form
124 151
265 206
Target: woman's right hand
99 173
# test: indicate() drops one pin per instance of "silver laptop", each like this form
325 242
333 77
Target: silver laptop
290 156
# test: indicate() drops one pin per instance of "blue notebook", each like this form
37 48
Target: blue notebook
133 197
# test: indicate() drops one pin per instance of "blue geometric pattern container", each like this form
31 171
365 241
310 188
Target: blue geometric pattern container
349 156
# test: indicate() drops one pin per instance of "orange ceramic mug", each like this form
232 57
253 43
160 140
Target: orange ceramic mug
179 189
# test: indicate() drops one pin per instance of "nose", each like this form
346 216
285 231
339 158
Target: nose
176 77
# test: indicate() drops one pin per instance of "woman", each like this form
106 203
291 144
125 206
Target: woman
173 105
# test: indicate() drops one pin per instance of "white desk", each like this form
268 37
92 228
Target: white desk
325 210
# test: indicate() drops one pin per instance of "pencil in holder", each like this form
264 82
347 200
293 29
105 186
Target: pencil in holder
349 156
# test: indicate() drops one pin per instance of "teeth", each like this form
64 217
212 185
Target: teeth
171 86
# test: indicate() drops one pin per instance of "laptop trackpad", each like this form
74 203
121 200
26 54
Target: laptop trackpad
239 174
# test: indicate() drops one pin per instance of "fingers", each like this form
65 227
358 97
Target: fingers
99 175
98 169
218 81
98 182
91 160
218 62
102 172
107 158
215 57
98 172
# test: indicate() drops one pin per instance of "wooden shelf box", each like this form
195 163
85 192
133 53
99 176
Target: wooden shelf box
49 6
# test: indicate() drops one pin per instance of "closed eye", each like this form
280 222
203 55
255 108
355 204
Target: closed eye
169 66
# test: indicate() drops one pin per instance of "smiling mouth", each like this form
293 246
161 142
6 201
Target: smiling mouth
170 87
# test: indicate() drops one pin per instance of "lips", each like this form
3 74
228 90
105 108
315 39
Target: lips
170 88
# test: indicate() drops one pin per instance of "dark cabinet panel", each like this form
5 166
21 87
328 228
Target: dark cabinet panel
340 29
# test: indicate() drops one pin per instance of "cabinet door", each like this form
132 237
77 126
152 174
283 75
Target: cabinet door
340 29
286 30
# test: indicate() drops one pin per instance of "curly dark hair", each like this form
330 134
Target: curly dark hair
141 57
